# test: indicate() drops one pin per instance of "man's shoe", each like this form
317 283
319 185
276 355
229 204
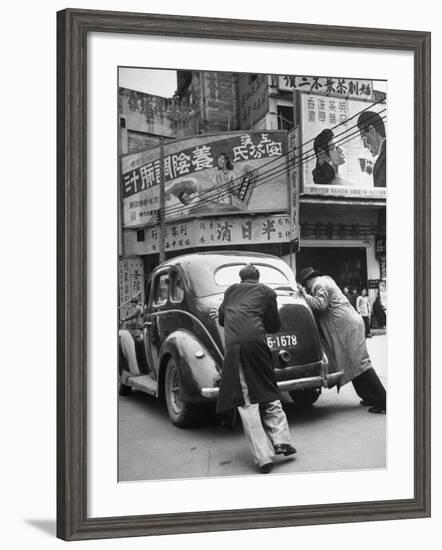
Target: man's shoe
284 449
377 410
266 468
366 404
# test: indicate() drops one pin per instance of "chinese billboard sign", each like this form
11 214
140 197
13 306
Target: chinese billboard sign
345 87
131 283
293 144
253 98
220 231
346 168
207 174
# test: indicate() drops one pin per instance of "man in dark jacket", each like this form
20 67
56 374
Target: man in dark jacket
372 130
249 310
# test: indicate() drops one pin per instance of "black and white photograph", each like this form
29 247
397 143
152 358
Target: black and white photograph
218 314
252 273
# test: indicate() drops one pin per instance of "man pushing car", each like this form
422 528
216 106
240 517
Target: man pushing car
249 311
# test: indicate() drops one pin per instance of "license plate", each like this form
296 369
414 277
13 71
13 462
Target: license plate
282 341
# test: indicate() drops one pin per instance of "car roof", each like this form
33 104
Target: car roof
214 259
216 256
200 266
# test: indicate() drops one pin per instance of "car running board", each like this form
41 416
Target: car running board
143 383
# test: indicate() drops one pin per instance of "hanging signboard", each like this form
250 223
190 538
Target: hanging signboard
294 179
337 163
230 172
331 86
253 98
220 231
131 283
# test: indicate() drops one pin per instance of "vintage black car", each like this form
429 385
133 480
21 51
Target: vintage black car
178 353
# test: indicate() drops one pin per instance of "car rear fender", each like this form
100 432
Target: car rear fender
197 367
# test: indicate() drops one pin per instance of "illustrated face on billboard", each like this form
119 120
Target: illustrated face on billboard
344 146
229 172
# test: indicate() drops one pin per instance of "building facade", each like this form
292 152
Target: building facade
342 227
343 230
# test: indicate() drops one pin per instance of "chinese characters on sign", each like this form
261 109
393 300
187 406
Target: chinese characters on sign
329 112
177 237
229 230
345 87
248 149
176 165
293 142
199 158
131 282
253 98
205 175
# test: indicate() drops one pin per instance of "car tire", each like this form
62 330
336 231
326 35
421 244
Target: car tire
123 389
304 399
181 414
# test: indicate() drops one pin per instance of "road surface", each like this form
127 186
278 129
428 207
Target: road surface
336 434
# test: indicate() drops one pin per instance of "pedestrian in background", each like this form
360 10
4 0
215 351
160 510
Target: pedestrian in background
134 321
134 324
346 292
379 311
363 307
353 297
343 337
249 311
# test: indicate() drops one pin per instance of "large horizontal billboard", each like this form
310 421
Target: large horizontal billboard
339 163
209 174
220 231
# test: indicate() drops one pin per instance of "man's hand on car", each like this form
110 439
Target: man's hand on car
213 313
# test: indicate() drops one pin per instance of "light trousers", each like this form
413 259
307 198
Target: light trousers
265 425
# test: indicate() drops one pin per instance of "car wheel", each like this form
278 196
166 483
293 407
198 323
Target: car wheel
181 414
304 399
123 389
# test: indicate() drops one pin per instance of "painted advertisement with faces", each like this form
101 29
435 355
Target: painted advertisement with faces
343 151
232 172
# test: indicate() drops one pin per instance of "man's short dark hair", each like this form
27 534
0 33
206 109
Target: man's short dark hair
370 118
249 271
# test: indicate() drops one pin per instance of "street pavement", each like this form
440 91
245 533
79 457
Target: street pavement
335 434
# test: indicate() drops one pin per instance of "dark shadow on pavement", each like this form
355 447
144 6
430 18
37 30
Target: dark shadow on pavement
146 401
156 408
48 526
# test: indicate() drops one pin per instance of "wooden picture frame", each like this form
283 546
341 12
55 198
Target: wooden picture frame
73 27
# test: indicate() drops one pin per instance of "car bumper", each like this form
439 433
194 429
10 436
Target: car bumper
328 381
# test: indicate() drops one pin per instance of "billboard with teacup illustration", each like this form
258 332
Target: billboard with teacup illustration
343 151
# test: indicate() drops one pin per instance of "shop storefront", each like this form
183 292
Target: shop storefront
344 241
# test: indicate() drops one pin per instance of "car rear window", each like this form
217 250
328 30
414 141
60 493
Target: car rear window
229 274
213 275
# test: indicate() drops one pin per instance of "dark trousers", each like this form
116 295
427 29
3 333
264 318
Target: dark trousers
370 389
367 326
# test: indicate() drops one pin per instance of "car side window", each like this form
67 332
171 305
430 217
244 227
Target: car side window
176 287
161 289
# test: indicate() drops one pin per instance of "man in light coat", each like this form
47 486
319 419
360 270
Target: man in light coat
343 335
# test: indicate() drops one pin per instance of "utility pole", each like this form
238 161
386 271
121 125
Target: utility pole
162 206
